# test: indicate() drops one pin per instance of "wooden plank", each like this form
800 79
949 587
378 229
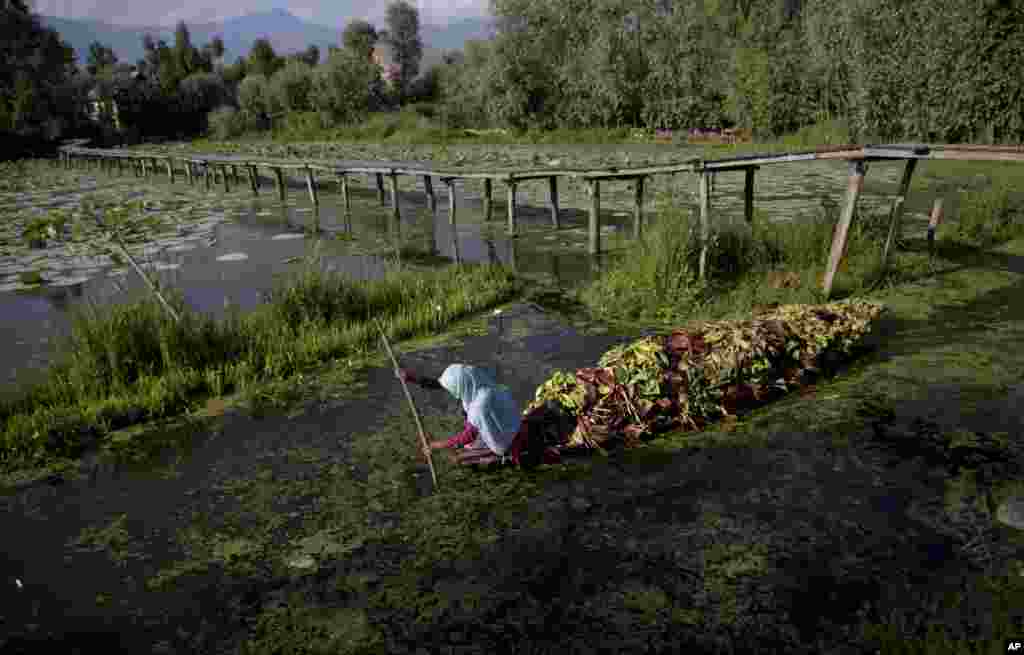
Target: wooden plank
511 208
858 169
705 219
281 189
380 189
428 188
311 185
748 195
488 198
556 219
594 233
638 207
897 211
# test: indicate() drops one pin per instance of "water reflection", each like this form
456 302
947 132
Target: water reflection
274 237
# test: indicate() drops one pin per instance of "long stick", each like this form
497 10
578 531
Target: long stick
412 405
149 283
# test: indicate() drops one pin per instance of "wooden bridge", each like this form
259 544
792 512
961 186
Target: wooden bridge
207 167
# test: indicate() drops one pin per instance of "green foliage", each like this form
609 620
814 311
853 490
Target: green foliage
344 89
100 57
403 20
290 87
262 59
991 216
253 99
226 123
359 37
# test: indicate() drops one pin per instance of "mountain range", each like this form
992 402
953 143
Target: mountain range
287 32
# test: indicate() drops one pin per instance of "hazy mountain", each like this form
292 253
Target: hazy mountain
287 32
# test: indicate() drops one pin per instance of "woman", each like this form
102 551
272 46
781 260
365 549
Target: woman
491 414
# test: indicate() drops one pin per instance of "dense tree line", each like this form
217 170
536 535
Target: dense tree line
944 70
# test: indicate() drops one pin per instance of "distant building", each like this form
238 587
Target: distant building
384 56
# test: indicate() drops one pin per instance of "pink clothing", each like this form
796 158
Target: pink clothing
468 435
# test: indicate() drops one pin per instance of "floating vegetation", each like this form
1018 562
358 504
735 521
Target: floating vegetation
705 373
233 257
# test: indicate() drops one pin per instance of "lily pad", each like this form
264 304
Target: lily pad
233 257
287 236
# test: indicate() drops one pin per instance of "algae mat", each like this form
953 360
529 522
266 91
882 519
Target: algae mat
315 532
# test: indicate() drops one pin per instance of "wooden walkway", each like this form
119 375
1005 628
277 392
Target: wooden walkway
194 166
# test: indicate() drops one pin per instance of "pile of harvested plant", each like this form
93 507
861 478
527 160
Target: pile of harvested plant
692 377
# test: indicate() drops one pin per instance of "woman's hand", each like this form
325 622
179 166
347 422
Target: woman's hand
438 445
405 375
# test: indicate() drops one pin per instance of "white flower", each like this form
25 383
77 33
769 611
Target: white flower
18 582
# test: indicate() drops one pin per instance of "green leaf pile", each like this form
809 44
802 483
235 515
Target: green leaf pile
706 372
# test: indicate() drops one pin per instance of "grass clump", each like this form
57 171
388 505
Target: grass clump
132 363
991 216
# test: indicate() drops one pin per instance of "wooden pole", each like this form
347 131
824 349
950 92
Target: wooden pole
253 184
279 176
897 211
488 198
380 189
450 183
234 173
428 188
412 405
224 174
705 219
594 190
170 170
638 207
556 219
343 182
858 169
207 173
748 194
149 283
933 224
396 213
511 207
311 185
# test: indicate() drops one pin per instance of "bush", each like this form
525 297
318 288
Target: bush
290 87
225 123
990 217
345 89
253 95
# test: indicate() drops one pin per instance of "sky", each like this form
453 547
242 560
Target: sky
326 12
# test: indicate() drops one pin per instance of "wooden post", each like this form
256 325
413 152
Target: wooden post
380 188
206 175
188 173
450 183
170 170
897 212
234 173
428 188
594 189
311 185
638 207
858 169
748 194
279 176
511 207
488 198
154 166
343 182
253 184
395 211
705 219
933 224
224 174
512 258
556 220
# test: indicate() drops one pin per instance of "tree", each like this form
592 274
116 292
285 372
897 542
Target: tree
290 87
345 88
403 22
100 57
185 55
359 37
262 58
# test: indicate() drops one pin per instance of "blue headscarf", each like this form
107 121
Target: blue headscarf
489 407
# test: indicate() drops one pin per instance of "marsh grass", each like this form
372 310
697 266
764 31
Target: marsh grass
130 363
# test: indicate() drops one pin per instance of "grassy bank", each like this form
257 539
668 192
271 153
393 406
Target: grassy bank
780 262
133 363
